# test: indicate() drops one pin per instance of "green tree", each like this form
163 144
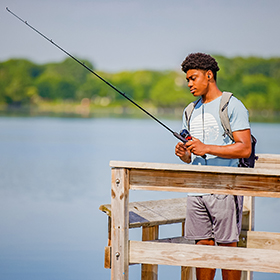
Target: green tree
254 80
170 91
16 77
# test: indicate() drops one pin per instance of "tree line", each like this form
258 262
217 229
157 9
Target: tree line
254 80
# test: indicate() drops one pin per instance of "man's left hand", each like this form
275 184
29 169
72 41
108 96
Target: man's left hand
196 147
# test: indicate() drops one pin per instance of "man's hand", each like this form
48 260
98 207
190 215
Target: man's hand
196 147
182 152
241 148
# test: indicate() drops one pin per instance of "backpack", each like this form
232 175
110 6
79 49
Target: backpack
223 113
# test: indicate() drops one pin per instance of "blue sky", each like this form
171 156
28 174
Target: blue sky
131 34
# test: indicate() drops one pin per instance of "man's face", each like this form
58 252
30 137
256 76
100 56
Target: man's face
198 81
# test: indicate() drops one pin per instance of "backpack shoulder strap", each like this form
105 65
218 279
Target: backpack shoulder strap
188 111
224 113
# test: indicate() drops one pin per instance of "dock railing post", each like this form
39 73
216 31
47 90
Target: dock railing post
119 224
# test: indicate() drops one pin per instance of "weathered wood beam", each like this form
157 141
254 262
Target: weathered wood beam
119 224
210 179
206 181
268 161
263 240
189 167
154 212
261 260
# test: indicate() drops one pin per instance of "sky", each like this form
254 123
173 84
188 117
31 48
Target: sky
120 35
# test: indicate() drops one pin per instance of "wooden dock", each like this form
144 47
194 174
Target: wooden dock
257 251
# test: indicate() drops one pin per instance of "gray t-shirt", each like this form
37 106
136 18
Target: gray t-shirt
205 125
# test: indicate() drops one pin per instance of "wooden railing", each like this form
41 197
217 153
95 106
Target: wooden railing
262 252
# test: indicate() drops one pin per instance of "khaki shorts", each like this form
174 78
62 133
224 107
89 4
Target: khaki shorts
214 216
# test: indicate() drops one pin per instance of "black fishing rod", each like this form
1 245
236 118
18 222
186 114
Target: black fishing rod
182 137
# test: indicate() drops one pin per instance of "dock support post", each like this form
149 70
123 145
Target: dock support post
249 224
149 271
119 224
107 255
187 273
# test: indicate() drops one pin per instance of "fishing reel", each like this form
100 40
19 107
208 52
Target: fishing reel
184 133
187 136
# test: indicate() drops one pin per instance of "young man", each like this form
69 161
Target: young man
213 219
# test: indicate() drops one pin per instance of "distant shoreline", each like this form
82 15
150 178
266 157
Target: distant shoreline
86 110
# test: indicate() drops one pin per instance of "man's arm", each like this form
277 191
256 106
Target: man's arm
240 149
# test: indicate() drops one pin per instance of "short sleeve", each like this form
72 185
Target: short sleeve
238 115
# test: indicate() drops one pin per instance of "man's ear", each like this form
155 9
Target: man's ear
209 74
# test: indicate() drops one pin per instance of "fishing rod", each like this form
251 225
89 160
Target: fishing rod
184 136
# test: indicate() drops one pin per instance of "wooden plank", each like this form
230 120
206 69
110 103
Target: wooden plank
263 240
154 212
176 239
205 256
268 162
264 163
206 182
119 224
265 157
158 212
189 167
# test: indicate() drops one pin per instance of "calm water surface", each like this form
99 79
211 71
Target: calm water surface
54 176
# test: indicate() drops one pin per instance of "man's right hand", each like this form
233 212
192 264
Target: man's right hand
182 152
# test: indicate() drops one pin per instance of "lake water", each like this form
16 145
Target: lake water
54 176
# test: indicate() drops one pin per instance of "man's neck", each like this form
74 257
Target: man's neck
211 95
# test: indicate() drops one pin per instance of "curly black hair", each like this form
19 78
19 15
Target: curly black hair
200 61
